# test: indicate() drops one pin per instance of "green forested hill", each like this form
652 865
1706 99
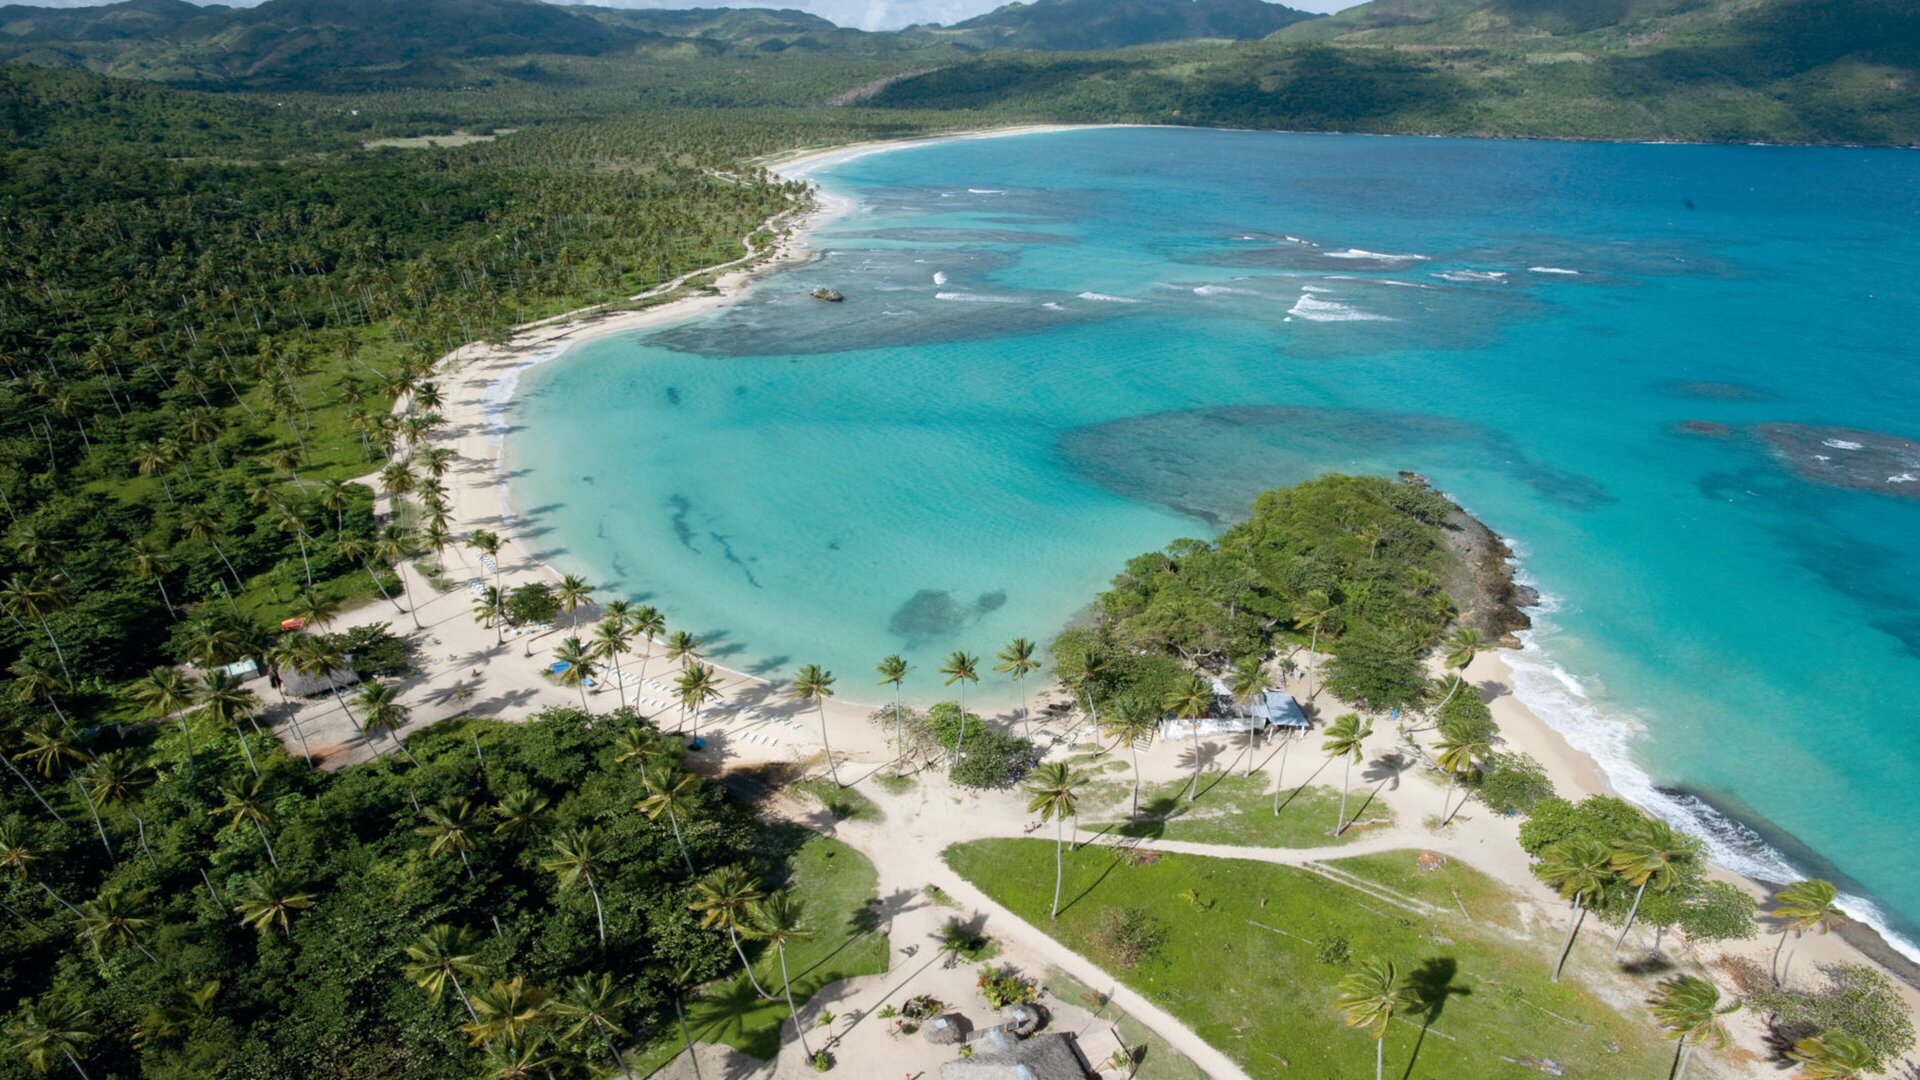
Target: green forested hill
1080 25
1709 70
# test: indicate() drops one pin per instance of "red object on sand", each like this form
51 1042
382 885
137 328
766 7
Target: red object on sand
292 624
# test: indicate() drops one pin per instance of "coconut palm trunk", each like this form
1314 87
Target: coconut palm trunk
686 1036
15 770
1577 916
1133 747
1193 791
1346 784
674 819
94 812
1059 864
599 914
734 935
461 991
1280 773
832 768
787 986
1631 912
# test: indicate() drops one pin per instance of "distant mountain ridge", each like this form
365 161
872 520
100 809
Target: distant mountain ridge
1094 25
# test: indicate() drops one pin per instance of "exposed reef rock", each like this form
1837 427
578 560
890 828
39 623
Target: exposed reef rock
831 296
1482 583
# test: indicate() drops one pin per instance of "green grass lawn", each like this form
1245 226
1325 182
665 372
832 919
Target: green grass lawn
1240 961
1233 809
1452 885
836 882
844 804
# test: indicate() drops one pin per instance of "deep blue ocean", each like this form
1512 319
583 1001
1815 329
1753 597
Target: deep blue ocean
1682 380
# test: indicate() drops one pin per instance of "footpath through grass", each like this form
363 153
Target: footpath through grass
837 883
1250 955
1234 809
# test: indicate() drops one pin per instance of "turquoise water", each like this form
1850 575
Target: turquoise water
1134 330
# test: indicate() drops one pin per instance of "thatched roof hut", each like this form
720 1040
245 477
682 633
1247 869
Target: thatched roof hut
946 1030
1000 1055
294 684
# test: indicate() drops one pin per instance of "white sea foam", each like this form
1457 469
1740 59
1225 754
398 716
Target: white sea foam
1313 309
1561 700
975 298
1358 253
1841 444
1223 290
1902 478
1472 275
1051 306
1105 299
1551 270
1823 457
939 277
985 191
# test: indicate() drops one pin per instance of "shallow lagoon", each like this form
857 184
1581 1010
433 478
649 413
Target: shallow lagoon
1059 350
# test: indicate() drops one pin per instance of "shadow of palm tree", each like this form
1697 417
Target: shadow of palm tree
1387 769
1112 862
1430 985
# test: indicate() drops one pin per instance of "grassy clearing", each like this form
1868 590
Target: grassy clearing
837 884
1450 884
1234 809
844 804
1239 958
894 785
1153 1058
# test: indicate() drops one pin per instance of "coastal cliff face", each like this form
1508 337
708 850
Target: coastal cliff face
1481 579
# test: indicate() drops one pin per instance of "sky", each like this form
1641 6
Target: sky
862 14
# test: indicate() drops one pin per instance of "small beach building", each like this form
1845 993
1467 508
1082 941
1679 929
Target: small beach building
1273 709
1000 1055
303 686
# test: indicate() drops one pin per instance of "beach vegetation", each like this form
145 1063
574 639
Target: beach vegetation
1512 783
1853 1002
1689 1010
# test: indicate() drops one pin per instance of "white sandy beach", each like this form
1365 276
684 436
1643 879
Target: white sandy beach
467 673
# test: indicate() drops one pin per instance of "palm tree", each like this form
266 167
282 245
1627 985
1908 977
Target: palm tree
509 1012
51 1030
394 546
35 597
780 919
685 977
682 648
610 639
163 692
1460 748
490 609
48 749
578 669
527 1060
1081 672
812 684
670 791
289 517
592 1006
577 854
318 658
1835 1055
725 899
1368 999
573 592
893 669
1346 738
1016 659
23 778
487 543
450 826
18 856
116 919
1461 647
522 813
1579 868
649 624
1688 1008
1800 907
186 1005
314 610
1653 854
1054 792
383 714
206 529
963 669
1312 613
37 682
152 564
248 805
1250 683
269 899
228 702
1191 701
112 779
1132 718
439 957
